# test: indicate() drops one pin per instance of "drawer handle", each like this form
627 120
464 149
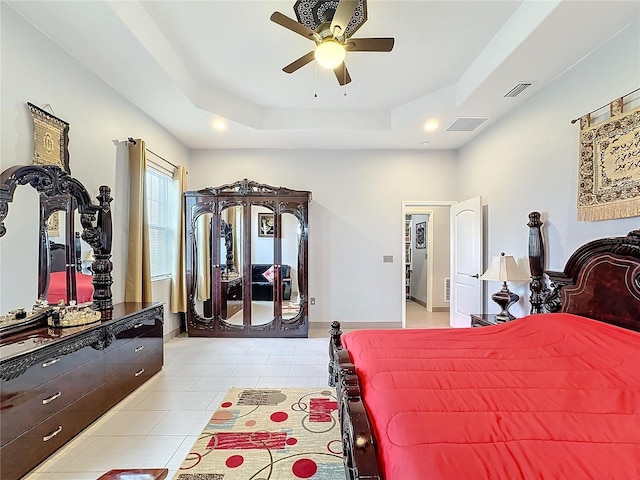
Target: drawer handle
51 398
137 349
138 325
46 438
48 363
139 372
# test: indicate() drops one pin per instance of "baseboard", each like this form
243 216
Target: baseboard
419 302
440 309
355 325
168 336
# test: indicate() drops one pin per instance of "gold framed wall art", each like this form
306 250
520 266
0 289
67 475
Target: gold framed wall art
50 139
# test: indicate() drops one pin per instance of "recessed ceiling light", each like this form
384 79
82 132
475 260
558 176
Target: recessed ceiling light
219 124
431 125
424 144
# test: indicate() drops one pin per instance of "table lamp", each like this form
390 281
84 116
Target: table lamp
504 269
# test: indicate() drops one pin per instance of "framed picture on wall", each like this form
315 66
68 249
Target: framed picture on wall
265 224
421 235
50 139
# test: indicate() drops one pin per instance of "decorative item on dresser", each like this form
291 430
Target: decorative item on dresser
252 282
509 393
56 381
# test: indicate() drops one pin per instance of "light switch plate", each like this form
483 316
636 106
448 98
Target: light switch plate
387 258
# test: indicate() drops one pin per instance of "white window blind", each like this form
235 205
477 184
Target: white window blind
159 186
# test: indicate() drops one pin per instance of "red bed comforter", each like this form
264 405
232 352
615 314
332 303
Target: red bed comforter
58 288
547 396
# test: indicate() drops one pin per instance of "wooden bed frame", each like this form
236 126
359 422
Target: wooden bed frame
601 280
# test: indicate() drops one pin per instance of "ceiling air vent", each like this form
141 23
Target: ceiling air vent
517 90
466 124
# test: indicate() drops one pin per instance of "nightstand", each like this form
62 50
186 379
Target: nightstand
483 319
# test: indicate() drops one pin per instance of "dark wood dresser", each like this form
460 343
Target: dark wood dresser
56 382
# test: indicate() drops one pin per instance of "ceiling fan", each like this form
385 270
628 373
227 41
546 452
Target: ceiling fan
332 36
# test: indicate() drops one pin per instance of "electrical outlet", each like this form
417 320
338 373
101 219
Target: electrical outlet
312 300
387 258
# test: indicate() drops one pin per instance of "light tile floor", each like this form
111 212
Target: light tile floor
156 426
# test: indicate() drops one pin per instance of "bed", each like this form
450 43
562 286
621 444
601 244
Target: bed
553 395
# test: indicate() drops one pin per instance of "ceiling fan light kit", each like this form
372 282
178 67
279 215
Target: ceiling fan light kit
331 33
330 54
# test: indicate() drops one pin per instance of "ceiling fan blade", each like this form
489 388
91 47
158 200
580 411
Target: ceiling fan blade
369 44
294 26
342 17
342 74
301 62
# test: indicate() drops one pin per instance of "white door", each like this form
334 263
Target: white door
466 261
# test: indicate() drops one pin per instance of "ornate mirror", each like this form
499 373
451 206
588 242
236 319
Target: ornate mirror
55 194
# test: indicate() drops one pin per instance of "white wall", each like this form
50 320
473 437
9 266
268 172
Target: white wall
34 70
354 219
419 260
528 160
441 250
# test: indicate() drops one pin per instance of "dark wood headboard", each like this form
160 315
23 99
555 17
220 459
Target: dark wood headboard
601 279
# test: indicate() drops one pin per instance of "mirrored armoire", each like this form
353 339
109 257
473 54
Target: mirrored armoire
247 252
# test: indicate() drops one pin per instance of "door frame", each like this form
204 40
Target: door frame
419 207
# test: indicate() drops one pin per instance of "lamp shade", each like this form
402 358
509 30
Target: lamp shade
504 268
87 256
330 54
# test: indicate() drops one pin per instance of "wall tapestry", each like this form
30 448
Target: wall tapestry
609 166
53 224
421 235
50 139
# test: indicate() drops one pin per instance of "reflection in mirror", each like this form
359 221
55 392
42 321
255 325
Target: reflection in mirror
19 252
203 304
231 248
56 284
262 269
80 265
291 232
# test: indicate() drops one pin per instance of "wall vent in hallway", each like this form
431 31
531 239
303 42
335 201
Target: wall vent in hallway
447 289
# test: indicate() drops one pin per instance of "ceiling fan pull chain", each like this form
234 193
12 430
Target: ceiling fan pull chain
315 89
344 70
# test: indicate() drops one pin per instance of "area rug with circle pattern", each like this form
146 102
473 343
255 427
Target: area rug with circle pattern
269 434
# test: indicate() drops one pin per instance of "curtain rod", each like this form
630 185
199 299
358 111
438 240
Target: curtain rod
131 140
600 108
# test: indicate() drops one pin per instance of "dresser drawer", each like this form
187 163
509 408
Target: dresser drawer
119 386
25 452
20 413
43 371
131 352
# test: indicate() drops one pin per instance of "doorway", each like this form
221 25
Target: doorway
425 244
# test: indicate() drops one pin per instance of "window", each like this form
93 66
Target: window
159 187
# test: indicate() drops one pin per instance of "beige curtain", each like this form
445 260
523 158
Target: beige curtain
178 302
138 281
203 256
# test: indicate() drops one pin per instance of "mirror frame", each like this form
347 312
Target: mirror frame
57 186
